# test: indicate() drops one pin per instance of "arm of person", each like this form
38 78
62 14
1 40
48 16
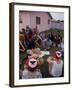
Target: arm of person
49 60
23 49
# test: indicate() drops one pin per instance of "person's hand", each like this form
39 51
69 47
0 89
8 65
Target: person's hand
49 60
22 50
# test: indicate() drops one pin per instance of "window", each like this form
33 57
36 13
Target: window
37 20
48 21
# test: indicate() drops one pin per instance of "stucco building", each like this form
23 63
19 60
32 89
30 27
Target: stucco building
34 18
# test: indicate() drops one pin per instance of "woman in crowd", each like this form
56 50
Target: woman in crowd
55 65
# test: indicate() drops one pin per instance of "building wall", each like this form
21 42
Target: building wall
25 17
43 21
57 25
29 18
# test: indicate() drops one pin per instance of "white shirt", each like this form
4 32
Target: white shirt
57 68
26 74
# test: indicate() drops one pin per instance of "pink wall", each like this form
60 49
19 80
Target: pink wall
29 18
25 16
44 20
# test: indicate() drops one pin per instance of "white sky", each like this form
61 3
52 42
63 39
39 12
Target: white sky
57 15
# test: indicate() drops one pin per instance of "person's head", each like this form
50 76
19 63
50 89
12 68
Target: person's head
58 55
21 37
23 30
27 26
39 42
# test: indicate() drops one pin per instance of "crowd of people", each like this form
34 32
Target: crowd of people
31 38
